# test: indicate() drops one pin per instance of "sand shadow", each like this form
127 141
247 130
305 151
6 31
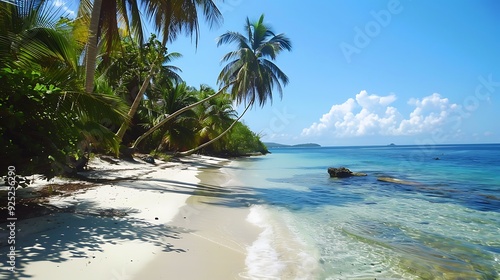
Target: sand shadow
60 237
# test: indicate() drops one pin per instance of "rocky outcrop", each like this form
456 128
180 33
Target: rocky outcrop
342 172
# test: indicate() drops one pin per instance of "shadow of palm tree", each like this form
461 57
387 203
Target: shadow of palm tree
60 237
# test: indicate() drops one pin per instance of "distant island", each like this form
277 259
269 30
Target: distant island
271 145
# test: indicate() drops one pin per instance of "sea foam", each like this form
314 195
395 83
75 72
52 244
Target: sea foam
278 252
262 259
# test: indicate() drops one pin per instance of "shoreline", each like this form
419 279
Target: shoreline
215 234
170 219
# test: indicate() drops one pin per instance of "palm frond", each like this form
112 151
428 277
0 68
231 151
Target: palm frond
34 33
273 68
174 17
98 134
98 107
233 37
212 14
133 23
281 41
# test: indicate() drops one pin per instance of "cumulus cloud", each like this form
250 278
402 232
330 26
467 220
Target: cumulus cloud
371 114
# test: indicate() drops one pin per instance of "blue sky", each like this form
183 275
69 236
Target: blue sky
369 72
373 73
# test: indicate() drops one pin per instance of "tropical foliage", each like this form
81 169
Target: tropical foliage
47 122
53 113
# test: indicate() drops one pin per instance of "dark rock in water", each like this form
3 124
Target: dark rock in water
340 172
436 158
343 172
149 159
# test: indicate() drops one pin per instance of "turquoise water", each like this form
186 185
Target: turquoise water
445 225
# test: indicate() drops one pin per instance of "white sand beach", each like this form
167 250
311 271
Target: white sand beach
160 221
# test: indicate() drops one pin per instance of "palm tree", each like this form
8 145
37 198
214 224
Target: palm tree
185 153
180 132
214 115
45 113
169 17
250 71
103 28
169 117
157 59
250 68
171 98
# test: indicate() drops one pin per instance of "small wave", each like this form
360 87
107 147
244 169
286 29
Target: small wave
262 259
278 253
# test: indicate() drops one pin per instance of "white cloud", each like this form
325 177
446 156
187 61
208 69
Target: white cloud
430 113
369 101
370 114
62 5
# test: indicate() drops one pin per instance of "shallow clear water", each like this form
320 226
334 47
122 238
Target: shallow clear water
445 225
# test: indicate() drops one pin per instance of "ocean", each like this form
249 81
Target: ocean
443 223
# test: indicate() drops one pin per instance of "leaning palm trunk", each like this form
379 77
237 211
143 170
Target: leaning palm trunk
186 153
137 101
175 114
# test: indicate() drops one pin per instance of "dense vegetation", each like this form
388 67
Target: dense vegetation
89 84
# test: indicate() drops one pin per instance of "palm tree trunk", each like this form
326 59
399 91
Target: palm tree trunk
186 153
135 104
175 114
91 55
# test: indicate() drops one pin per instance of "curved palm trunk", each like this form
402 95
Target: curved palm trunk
135 104
91 55
186 153
175 114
